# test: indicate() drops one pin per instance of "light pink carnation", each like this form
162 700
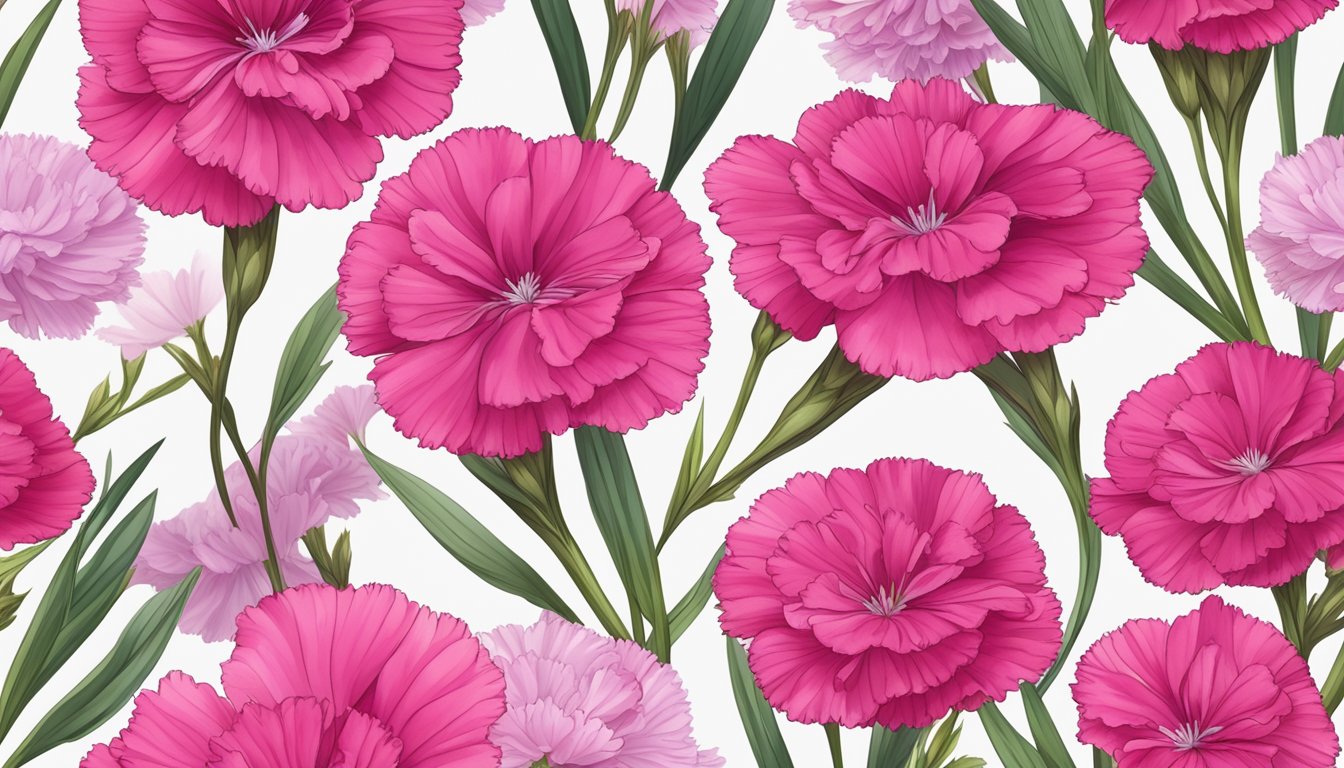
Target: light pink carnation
165 305
888 596
1228 471
69 238
1300 240
901 39
669 17
582 700
1222 26
228 107
1213 689
314 475
475 12
933 231
321 678
512 288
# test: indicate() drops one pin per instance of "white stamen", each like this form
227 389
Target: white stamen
525 291
886 602
922 221
1252 462
266 40
1189 736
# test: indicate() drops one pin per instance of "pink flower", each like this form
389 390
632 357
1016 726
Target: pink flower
227 108
475 12
314 475
582 700
1213 689
1222 26
933 231
1228 471
901 39
668 17
512 288
165 305
326 678
888 595
44 481
69 238
1300 240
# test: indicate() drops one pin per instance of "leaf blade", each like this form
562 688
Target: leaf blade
21 54
758 719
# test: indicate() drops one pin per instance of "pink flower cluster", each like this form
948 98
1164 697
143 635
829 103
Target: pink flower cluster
1222 26
931 230
1228 471
512 288
321 678
228 108
887 595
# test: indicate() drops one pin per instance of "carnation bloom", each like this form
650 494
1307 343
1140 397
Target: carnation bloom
1222 26
1213 689
326 678
227 108
512 288
900 39
582 700
933 231
165 305
69 238
475 12
314 475
888 595
1300 240
1228 471
44 481
668 17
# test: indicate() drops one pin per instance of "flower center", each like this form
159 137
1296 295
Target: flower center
1252 462
1189 736
922 221
524 291
267 40
887 602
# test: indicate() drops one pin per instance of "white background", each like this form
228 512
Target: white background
508 80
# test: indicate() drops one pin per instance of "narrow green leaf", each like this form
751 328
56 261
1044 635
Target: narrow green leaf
1018 39
691 460
1043 730
683 615
163 390
726 53
892 749
21 55
1334 115
618 508
469 542
302 363
1056 39
1101 759
758 718
105 690
1014 750
565 43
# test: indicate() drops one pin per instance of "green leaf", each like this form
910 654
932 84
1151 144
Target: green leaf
683 615
1334 114
1012 749
726 53
618 508
1043 730
303 362
758 718
561 31
469 542
1101 759
892 749
105 690
1057 41
21 55
691 461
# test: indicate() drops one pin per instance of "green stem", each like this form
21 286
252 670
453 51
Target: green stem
1332 691
982 81
1291 599
567 550
1336 356
833 741
640 55
1236 243
618 31
1196 130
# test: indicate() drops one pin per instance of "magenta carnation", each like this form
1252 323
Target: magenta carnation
900 39
1300 240
1222 26
512 288
326 678
1213 689
1228 471
888 596
314 475
69 239
581 700
933 231
44 481
227 108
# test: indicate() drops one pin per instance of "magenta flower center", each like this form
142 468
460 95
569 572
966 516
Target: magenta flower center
922 221
1252 462
525 291
886 603
267 40
1189 736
